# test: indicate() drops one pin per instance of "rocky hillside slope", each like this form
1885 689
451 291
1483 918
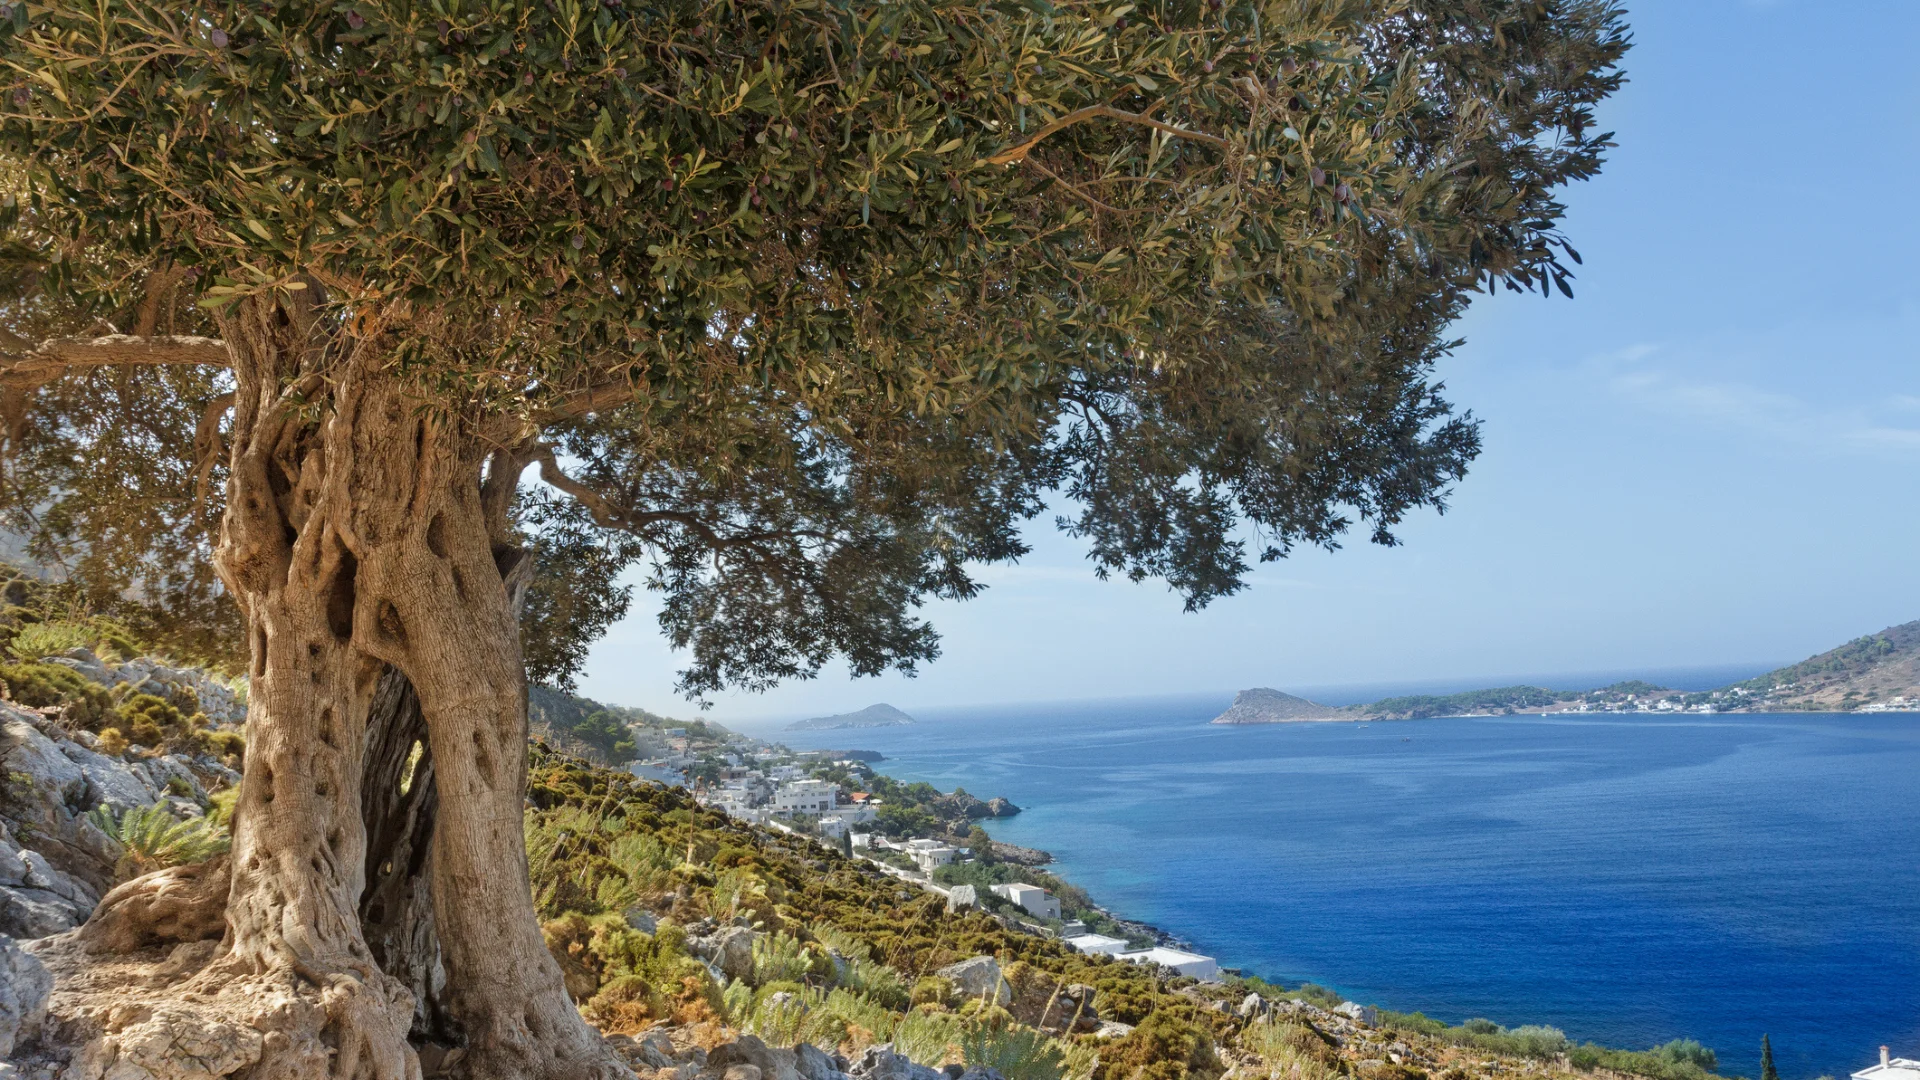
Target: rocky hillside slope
703 948
1873 669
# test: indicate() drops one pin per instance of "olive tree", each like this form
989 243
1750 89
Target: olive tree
808 305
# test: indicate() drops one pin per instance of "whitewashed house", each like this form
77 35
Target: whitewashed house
930 854
1890 1068
804 797
1034 899
1192 965
1099 944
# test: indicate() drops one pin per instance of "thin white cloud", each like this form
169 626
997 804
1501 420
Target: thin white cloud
1770 414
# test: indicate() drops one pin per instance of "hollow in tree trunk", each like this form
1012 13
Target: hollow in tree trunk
357 539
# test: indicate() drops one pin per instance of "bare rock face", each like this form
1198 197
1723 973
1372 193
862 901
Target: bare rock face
25 985
1264 706
770 1063
979 977
881 1063
729 949
55 863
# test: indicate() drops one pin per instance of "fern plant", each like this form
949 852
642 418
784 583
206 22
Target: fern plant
151 838
1015 1051
931 1039
780 957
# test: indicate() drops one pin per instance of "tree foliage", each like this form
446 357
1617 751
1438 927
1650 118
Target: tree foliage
811 304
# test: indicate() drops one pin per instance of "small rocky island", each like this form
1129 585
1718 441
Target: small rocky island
870 717
1262 705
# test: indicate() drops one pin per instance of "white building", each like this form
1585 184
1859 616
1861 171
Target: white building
804 797
930 854
861 841
1098 943
1890 1068
658 773
832 827
1033 898
1204 968
854 815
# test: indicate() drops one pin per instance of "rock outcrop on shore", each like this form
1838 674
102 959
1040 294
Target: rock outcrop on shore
1265 706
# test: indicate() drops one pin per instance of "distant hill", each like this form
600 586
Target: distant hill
871 716
1266 706
1878 672
1868 670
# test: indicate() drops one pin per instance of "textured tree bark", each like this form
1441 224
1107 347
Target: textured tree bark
360 538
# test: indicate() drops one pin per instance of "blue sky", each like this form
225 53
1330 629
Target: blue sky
1709 457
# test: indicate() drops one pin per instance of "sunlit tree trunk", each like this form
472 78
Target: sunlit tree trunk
357 539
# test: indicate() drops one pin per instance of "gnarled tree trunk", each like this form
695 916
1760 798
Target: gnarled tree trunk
358 539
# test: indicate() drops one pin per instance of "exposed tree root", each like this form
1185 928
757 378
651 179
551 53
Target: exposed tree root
163 909
176 1014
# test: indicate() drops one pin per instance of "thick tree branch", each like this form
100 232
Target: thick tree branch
56 357
607 515
207 444
1091 112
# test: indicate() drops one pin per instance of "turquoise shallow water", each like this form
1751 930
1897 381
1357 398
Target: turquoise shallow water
1628 879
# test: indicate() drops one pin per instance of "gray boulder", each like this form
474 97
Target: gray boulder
36 762
814 1063
36 913
42 875
881 1063
25 986
978 978
1251 1006
13 868
773 1063
730 950
1366 1014
110 781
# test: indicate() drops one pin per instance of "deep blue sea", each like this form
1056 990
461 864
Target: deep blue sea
1628 879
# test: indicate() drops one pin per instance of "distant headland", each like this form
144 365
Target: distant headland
1876 673
872 716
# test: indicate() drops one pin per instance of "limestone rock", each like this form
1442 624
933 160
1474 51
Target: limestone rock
729 949
25 986
769 1063
110 781
979 977
1251 1006
881 1063
34 913
814 1063
1353 1010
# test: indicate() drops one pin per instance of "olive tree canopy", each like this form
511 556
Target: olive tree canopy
808 304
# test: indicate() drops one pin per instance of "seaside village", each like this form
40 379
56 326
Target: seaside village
824 793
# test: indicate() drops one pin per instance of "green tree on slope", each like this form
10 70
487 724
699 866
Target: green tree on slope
807 305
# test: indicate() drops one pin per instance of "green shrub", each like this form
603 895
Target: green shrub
40 686
149 720
1017 1052
931 990
1162 1047
930 1038
222 744
152 839
780 957
36 640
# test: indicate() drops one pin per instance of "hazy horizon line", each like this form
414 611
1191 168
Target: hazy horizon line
1692 678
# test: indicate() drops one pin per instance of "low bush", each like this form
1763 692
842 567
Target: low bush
1164 1046
41 686
152 839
